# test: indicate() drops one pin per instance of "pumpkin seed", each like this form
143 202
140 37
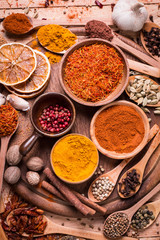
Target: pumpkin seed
145 100
140 100
158 96
154 87
154 101
146 110
133 89
149 119
149 100
138 95
157 108
157 112
128 89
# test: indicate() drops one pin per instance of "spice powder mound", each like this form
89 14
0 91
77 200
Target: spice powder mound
93 72
8 120
119 128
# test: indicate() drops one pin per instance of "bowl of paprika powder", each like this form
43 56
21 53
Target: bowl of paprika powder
120 130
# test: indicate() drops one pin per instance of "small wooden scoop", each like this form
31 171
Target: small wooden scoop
147 27
155 208
55 228
145 77
114 173
4 145
140 166
131 211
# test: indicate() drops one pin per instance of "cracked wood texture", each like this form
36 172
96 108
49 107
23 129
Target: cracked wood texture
73 13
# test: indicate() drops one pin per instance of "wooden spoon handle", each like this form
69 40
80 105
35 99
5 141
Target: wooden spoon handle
142 163
4 146
135 52
141 67
134 208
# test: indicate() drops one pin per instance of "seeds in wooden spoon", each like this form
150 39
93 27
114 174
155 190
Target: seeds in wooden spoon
142 218
116 225
152 39
144 91
102 188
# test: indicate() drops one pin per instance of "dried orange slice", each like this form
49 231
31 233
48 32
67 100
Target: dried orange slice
17 63
38 78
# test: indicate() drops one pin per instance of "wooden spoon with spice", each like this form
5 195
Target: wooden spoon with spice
118 223
154 208
131 181
9 119
114 173
148 37
151 90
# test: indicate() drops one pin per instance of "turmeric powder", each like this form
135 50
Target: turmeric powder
74 158
56 38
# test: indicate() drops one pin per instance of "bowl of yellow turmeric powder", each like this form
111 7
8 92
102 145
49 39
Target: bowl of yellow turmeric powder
74 158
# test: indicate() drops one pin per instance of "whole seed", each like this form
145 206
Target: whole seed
152 39
116 225
55 119
142 218
102 188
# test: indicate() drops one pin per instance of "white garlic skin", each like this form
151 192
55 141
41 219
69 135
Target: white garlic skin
35 164
33 178
18 102
12 174
13 155
129 15
2 99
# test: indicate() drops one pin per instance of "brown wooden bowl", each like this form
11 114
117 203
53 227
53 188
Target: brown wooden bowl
113 154
118 90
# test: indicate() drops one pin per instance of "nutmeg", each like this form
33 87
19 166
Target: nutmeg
12 174
35 164
33 178
13 155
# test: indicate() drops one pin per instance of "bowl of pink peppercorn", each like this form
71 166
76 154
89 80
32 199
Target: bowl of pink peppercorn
52 115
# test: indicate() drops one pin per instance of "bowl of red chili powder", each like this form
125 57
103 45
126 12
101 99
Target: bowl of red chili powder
120 130
94 72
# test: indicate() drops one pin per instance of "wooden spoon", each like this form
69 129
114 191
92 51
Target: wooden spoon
4 145
55 228
147 27
155 208
145 77
140 166
114 173
135 52
131 211
144 68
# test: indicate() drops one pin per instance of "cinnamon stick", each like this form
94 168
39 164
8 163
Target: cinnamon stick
68 193
82 198
50 188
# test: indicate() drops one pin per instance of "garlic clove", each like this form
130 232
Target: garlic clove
2 99
18 102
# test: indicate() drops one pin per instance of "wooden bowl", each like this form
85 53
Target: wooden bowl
43 101
113 154
147 27
65 180
118 90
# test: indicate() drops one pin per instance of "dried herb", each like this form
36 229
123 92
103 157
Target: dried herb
152 39
93 72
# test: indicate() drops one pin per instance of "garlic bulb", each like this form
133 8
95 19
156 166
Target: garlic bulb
2 99
33 178
129 15
18 103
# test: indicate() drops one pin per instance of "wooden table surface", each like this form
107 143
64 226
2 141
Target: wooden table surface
78 12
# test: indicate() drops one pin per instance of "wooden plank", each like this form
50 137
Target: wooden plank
78 15
36 3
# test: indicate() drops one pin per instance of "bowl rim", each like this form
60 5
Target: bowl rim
113 154
78 45
53 135
67 181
